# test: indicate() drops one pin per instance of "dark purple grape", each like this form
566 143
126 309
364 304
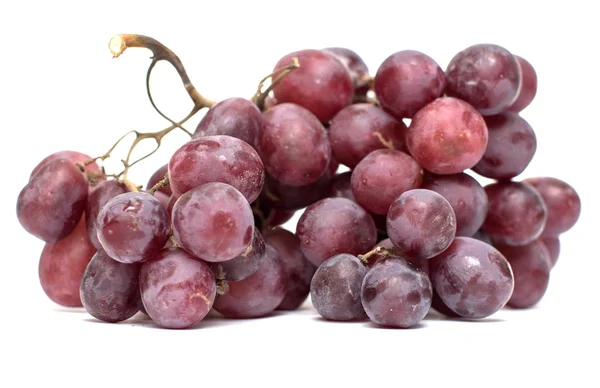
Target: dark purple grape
516 213
293 145
335 288
562 202
422 264
97 198
528 87
447 136
486 76
177 289
467 198
382 176
341 186
51 204
73 156
285 197
243 265
407 81
213 222
395 293
297 269
236 117
359 129
62 265
157 177
133 227
322 84
332 226
217 159
472 278
110 290
553 246
511 146
421 224
531 267
355 65
257 295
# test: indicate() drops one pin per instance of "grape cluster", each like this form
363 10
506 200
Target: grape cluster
403 231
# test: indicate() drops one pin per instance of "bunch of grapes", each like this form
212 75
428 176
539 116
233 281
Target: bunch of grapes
403 231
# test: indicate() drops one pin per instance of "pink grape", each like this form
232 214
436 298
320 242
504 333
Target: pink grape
73 156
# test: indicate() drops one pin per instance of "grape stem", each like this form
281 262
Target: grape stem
260 96
381 251
159 185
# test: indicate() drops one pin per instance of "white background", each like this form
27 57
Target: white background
60 89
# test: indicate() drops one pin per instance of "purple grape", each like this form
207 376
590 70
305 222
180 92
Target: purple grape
213 222
51 204
62 265
73 156
382 176
447 136
257 295
562 202
133 227
511 146
355 65
440 307
297 269
332 226
421 224
395 293
110 290
157 177
285 197
245 264
217 159
177 289
472 278
335 288
293 145
553 246
486 76
236 117
359 129
97 198
407 81
322 84
516 213
341 186
528 87
467 198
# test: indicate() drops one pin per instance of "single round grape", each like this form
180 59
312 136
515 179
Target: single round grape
217 159
133 227
562 202
407 81
284 197
177 289
62 265
472 278
382 176
236 117
341 186
511 146
359 129
486 76
516 213
257 295
553 246
157 177
421 264
322 84
243 265
97 198
395 293
51 204
110 290
447 136
528 87
421 224
73 156
213 222
355 65
335 288
467 198
298 271
335 225
531 267
293 145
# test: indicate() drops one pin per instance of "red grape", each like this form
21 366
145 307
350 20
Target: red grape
245 264
341 186
157 177
73 156
528 87
553 246
97 198
355 65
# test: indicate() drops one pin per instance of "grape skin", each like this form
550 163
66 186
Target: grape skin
157 177
73 156
245 264
335 225
177 289
553 246
213 222
356 67
109 289
528 88
97 198
51 204
421 264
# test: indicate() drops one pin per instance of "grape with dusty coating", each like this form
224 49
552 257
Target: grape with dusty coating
528 87
243 265
97 198
73 156
157 177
